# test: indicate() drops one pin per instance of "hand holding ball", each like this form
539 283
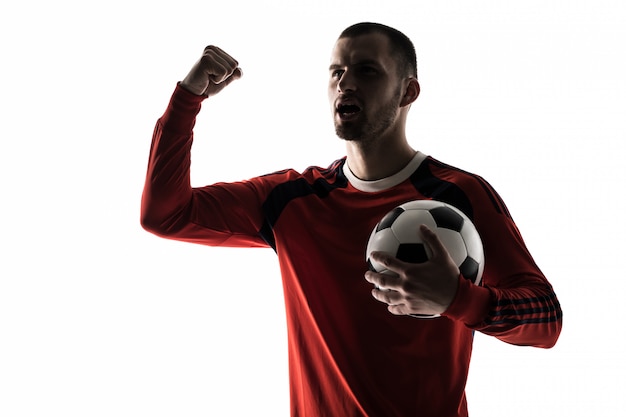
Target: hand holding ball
398 234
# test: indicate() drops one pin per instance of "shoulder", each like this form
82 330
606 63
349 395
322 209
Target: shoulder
290 183
452 173
331 173
447 182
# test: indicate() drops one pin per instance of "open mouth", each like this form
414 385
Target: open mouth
347 111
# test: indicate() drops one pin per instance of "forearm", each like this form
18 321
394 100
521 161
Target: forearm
516 303
167 190
528 315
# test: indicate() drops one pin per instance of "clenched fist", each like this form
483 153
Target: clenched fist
213 71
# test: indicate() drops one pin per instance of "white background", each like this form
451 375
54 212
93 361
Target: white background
99 318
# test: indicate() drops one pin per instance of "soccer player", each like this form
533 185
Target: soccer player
403 366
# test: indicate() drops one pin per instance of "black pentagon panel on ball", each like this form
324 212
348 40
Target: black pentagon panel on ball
447 218
469 269
412 252
389 218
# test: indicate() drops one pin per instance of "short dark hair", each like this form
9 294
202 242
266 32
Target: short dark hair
403 48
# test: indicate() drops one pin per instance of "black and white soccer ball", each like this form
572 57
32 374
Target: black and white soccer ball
398 234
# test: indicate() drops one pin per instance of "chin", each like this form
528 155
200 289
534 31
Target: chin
349 138
348 133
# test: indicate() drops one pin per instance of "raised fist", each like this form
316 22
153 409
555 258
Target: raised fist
213 71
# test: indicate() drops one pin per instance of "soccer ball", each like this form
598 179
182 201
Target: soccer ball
398 234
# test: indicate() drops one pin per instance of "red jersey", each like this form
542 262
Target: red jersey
348 356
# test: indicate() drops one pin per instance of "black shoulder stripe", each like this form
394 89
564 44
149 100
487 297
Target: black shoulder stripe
496 200
284 193
436 188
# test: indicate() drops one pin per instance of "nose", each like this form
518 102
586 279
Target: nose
346 82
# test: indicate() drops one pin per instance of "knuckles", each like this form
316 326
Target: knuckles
217 58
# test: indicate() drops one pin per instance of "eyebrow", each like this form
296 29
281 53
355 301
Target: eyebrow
363 62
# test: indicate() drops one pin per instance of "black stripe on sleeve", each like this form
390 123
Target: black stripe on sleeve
516 311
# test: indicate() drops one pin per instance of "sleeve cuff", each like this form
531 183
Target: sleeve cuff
471 303
181 112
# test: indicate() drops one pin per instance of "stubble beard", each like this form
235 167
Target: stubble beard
366 131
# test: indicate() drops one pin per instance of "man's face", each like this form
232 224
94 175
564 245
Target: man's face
364 89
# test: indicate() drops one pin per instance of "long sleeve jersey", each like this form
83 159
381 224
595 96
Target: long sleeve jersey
348 356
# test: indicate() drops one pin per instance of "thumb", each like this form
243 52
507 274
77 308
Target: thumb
433 241
215 88
237 74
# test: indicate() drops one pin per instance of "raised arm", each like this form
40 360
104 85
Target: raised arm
169 204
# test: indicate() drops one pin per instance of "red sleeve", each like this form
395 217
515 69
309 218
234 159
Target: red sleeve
171 208
515 303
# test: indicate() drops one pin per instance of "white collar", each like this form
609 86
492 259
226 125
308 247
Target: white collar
384 183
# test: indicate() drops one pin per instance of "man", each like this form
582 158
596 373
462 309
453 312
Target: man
348 354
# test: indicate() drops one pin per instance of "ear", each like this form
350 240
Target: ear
411 92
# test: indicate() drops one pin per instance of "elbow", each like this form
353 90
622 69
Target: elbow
162 217
155 221
548 337
152 225
163 224
549 323
153 217
552 336
554 330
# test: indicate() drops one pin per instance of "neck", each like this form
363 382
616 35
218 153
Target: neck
374 161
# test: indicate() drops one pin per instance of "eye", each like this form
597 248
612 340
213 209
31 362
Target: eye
336 73
368 70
